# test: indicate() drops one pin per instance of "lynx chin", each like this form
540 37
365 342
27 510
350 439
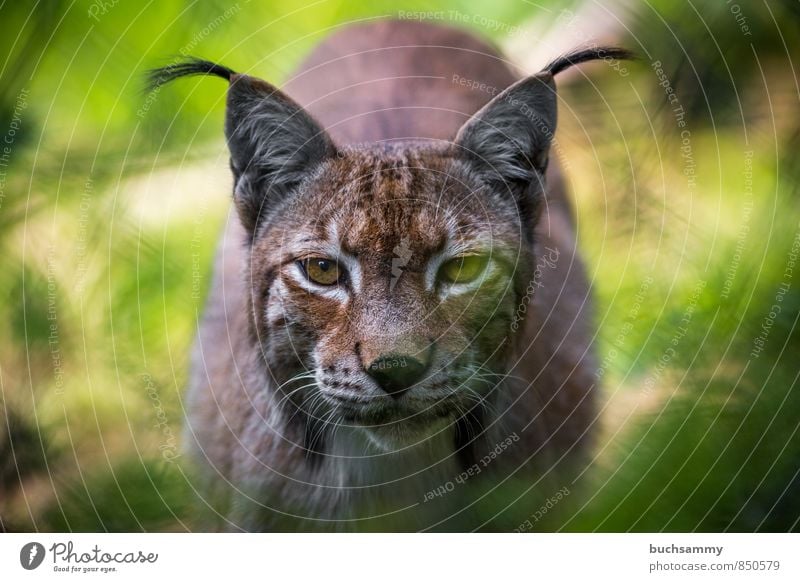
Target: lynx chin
363 341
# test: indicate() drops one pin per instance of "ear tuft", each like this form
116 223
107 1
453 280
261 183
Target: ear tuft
188 67
584 55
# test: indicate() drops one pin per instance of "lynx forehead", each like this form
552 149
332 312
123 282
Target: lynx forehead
418 203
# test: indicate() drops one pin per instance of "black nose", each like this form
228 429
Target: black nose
396 373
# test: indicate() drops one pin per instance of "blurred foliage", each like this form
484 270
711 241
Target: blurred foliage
715 50
111 200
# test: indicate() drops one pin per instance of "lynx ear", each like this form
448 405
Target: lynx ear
509 139
273 142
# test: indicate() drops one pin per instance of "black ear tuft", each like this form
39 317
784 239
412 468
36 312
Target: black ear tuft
188 67
583 55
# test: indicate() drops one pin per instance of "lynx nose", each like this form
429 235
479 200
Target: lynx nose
396 373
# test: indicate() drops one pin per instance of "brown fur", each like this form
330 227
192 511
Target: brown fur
385 94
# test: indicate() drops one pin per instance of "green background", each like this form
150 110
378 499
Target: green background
111 200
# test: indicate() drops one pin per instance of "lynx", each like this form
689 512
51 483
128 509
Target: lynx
399 326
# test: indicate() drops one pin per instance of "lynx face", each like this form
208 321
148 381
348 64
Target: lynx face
388 281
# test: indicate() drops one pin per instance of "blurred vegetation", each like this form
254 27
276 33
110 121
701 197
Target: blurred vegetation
111 201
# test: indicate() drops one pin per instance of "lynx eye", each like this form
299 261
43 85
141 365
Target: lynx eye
321 271
464 269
